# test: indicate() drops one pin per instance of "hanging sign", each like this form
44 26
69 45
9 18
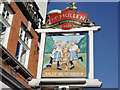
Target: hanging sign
68 15
67 19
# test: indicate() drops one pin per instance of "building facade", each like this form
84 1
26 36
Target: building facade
19 43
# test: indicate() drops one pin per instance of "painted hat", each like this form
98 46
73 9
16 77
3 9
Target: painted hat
59 41
74 41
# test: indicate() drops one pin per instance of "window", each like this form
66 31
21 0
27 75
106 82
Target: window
2 31
5 14
6 17
23 46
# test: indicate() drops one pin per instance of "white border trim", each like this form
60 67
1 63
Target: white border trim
91 59
90 82
95 28
41 55
63 79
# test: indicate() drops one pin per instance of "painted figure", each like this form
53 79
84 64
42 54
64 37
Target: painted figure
52 55
65 60
73 54
56 54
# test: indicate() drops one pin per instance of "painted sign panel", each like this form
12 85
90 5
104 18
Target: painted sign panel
65 56
68 15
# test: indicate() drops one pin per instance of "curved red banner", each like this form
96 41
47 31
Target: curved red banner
68 15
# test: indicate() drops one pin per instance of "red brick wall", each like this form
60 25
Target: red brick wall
34 55
15 28
19 18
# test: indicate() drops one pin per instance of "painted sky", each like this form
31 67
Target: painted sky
104 14
68 38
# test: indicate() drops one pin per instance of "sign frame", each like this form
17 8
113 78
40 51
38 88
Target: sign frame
90 82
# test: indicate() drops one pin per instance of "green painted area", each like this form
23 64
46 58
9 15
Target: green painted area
84 62
82 44
46 60
49 45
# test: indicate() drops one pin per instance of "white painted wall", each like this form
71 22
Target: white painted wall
42 4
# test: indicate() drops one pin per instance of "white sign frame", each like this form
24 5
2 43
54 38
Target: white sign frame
90 82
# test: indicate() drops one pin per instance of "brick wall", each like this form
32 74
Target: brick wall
19 18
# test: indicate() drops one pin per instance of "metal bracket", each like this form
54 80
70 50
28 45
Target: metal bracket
5 60
16 67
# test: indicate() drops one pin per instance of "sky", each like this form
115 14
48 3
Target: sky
104 14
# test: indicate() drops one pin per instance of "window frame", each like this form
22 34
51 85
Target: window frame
24 45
